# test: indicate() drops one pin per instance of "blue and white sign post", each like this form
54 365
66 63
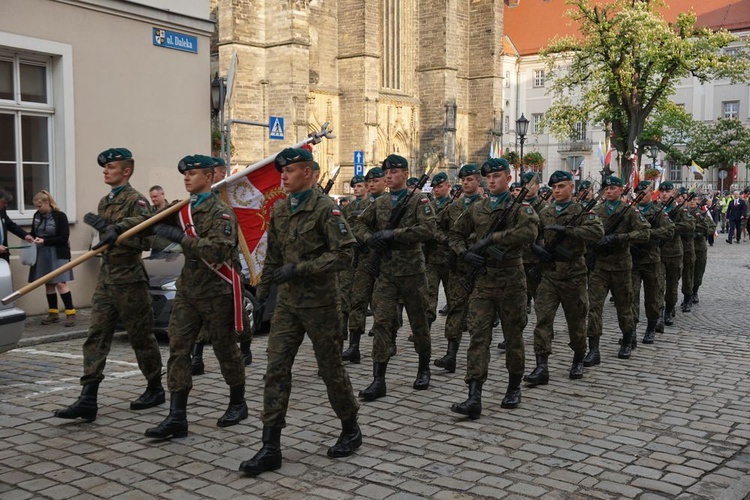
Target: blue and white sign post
359 163
276 127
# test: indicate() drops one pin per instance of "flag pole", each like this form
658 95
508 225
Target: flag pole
313 138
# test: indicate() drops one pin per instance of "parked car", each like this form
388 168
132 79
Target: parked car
12 319
164 268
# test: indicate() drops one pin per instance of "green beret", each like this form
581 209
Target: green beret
113 154
515 185
528 177
438 179
559 176
585 185
412 181
682 190
357 179
545 189
316 166
642 186
666 186
374 173
612 180
395 161
290 156
191 162
494 165
467 170
219 162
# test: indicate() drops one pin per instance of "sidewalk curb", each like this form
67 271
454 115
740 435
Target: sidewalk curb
57 337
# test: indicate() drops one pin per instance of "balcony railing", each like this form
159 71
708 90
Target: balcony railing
568 146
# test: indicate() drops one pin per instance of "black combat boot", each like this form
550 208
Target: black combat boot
528 305
237 409
634 337
625 346
423 373
449 360
660 321
669 314
393 349
247 354
513 395
593 357
352 352
695 295
472 406
377 388
153 396
502 346
648 338
687 303
85 406
540 374
176 424
198 368
444 310
495 322
349 440
576 369
269 456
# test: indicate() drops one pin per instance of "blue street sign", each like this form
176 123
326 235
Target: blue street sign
276 127
359 163
173 40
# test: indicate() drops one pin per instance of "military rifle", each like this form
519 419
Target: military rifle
676 210
331 180
508 211
397 213
612 225
553 247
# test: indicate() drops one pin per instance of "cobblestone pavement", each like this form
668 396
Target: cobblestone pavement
672 422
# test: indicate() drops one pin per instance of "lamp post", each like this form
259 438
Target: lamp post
522 127
218 93
654 150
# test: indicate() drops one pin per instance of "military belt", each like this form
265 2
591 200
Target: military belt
502 264
121 260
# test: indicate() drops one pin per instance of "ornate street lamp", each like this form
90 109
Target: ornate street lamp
218 93
522 127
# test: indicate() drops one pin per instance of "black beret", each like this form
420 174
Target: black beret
559 176
219 162
438 179
584 186
113 154
515 185
395 161
682 191
191 162
494 165
612 180
528 177
290 156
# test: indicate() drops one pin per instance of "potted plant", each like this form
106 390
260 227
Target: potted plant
534 160
651 174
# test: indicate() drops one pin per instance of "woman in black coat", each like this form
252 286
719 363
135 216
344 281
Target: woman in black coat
51 233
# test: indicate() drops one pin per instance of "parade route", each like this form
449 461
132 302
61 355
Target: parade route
671 422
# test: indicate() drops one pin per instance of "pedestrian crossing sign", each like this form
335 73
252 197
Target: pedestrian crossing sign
276 127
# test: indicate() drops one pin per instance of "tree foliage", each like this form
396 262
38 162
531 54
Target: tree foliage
625 64
722 143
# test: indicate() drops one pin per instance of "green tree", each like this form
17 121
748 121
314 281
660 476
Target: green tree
624 65
720 144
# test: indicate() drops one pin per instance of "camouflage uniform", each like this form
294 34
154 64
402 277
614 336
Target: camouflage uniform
438 259
346 277
502 289
688 261
612 270
531 263
122 292
203 298
704 226
402 275
647 267
317 239
671 257
458 296
564 280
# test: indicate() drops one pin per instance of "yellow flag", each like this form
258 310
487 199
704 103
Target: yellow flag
696 168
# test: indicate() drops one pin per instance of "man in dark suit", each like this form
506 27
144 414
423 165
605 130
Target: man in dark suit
736 213
8 225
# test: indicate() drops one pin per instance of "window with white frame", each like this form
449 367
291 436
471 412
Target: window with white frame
675 171
536 121
538 78
26 127
731 109
579 131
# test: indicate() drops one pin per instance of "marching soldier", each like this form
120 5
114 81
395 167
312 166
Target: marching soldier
647 262
121 292
437 255
364 282
566 229
458 296
308 242
530 259
623 226
346 277
209 292
704 228
502 289
402 275
671 254
688 253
